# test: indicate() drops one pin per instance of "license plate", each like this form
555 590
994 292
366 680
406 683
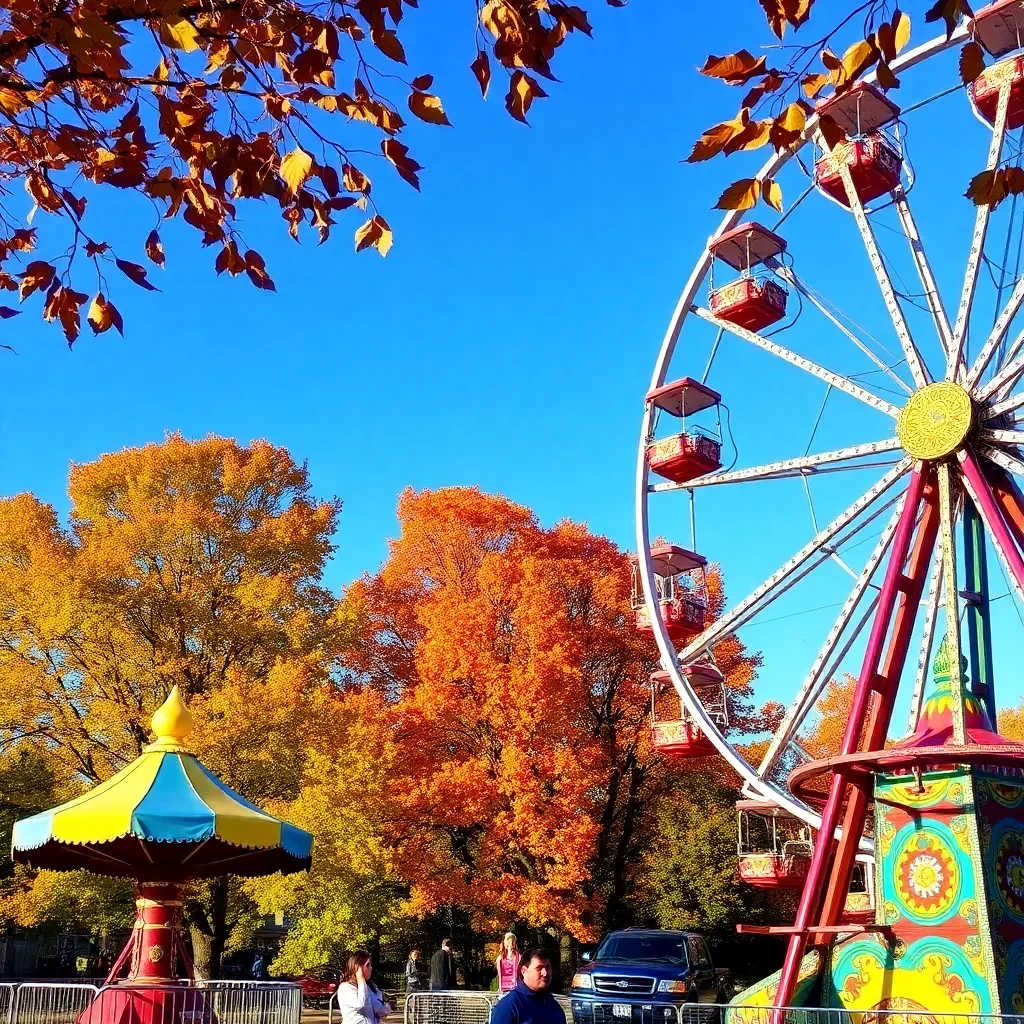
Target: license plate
622 1010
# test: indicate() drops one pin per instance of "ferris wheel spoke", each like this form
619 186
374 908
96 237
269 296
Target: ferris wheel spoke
797 567
1008 374
996 336
981 219
835 379
802 466
1001 458
924 270
1015 437
827 658
1005 405
924 657
988 510
917 368
787 275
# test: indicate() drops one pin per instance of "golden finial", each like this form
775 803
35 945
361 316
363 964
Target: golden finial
171 723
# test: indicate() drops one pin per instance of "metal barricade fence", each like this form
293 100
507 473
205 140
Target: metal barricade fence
41 1002
6 1002
456 1006
709 1013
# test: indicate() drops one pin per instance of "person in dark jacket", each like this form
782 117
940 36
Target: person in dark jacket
442 968
413 975
531 1001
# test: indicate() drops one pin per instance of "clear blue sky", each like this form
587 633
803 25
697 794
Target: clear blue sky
509 337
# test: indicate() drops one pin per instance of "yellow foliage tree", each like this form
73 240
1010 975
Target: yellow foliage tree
196 563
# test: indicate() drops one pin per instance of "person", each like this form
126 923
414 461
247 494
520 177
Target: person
257 967
507 964
442 968
531 1001
354 995
381 1006
413 978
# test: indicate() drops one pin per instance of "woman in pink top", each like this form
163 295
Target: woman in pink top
507 964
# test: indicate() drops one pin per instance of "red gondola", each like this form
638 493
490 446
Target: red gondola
754 300
873 154
774 847
679 576
697 448
682 737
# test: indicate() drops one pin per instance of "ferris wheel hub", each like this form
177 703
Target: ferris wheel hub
935 421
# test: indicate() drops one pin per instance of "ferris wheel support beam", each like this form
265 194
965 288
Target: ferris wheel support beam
835 379
924 656
786 468
917 368
924 269
1015 437
819 672
787 275
981 220
867 725
981 494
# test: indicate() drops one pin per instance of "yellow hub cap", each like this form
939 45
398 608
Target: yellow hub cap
935 421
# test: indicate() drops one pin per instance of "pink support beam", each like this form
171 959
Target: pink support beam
991 514
813 896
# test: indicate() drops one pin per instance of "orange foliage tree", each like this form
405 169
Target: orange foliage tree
197 107
518 700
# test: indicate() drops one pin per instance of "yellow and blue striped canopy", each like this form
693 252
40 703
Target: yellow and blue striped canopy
135 822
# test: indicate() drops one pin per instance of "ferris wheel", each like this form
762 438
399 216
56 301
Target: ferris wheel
928 409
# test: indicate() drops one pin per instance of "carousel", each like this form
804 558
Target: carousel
163 820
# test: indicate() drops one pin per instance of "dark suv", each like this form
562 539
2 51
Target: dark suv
643 976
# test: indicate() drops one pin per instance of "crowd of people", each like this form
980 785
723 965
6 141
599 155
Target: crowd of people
523 979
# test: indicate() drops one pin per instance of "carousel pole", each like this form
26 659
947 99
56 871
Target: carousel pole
156 935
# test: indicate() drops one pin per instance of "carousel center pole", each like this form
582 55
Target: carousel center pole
157 944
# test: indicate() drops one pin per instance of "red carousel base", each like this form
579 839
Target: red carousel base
153 992
139 1004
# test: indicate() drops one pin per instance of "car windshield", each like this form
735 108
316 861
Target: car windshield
643 947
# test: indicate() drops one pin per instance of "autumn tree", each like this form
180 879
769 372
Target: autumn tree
518 691
196 563
198 108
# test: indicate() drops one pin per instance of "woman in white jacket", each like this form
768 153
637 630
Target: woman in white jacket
355 996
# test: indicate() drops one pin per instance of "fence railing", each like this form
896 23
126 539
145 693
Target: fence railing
458 1006
205 1002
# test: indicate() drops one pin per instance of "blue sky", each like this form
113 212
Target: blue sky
508 339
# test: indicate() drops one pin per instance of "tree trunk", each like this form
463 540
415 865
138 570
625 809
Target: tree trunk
208 926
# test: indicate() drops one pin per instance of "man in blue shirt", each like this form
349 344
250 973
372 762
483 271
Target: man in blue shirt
531 1001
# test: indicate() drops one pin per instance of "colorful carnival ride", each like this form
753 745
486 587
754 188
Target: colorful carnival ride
162 820
907 853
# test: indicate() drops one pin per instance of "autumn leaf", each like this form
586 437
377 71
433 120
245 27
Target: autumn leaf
375 233
428 108
155 249
398 154
256 271
753 136
180 33
6 312
771 193
972 62
813 84
734 68
781 13
771 82
296 167
135 273
522 91
949 12
901 29
38 274
787 129
857 59
740 195
103 315
715 138
481 68
388 43
830 131
987 188
886 79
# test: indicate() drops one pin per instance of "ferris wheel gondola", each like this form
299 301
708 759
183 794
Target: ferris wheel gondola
944 447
